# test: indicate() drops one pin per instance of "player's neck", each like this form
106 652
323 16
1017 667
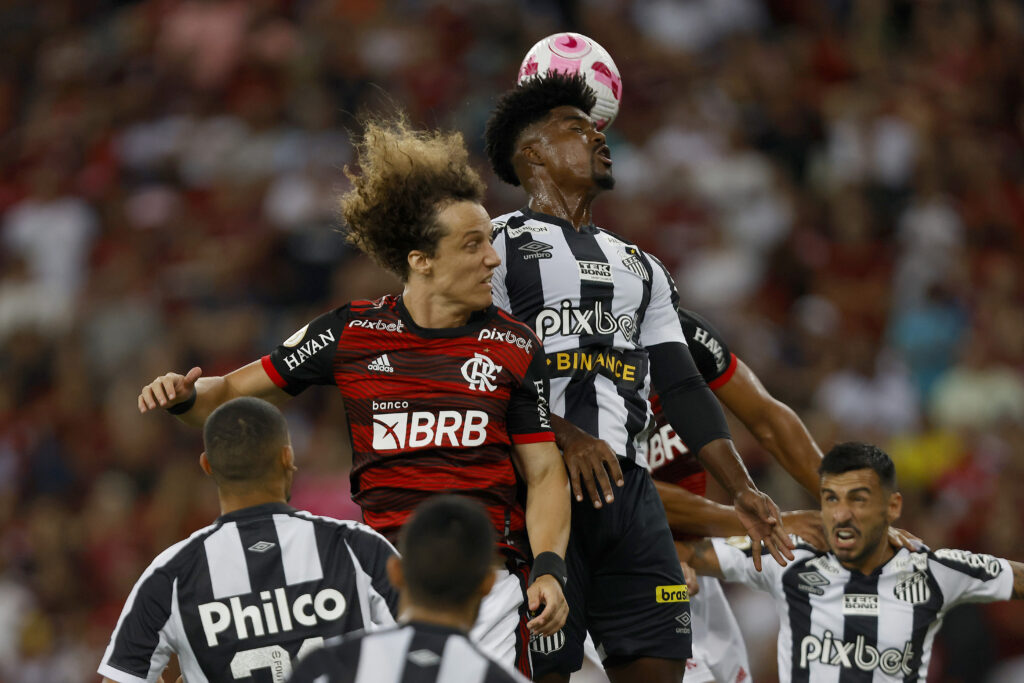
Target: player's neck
572 206
462 620
882 554
230 501
434 312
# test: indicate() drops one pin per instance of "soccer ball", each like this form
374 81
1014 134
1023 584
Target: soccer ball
572 53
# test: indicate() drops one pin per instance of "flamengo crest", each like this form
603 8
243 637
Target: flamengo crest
481 373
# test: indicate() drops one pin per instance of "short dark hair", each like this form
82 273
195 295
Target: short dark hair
526 104
242 438
405 177
855 455
447 550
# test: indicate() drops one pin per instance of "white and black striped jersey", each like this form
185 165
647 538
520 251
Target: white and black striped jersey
411 653
839 626
596 302
243 598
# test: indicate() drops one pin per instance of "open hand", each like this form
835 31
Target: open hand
168 390
807 525
590 460
760 517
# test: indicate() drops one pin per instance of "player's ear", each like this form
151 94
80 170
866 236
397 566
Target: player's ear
288 458
419 262
895 506
395 574
204 463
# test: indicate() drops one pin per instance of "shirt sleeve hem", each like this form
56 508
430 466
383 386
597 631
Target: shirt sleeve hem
539 437
724 378
113 674
272 373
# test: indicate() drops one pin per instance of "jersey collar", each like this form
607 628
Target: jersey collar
587 228
476 322
257 511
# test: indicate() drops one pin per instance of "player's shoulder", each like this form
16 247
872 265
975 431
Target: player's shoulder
980 566
178 559
802 550
505 320
346 529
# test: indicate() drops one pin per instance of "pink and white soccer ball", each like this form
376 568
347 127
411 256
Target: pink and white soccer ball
572 53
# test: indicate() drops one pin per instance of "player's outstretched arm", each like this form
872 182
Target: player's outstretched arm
1018 580
774 424
547 522
701 556
207 393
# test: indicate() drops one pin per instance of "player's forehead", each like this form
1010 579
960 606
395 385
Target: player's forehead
850 480
565 114
462 218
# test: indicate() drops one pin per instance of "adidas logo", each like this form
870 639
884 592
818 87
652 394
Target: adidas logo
381 364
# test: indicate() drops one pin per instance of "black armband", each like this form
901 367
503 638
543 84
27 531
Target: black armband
687 402
549 563
184 406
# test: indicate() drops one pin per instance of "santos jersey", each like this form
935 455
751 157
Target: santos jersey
429 410
245 597
596 302
837 625
669 458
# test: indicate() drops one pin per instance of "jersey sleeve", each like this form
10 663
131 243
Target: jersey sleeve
660 323
527 418
370 552
499 292
307 357
140 648
714 360
735 557
971 577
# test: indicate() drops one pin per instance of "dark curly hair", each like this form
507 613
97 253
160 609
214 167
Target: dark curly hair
405 177
526 104
855 455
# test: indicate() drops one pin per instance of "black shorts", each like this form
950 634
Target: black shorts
625 584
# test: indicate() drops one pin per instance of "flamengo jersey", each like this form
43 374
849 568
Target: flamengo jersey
596 302
412 653
669 458
245 597
429 410
837 625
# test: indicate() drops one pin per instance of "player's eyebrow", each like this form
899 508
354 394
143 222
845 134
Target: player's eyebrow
575 117
859 489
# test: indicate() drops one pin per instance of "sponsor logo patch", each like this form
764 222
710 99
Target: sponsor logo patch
626 368
521 230
379 325
913 589
566 321
424 658
595 271
508 336
308 349
545 645
684 622
811 582
481 373
635 264
680 593
423 428
297 337
381 364
261 547
535 250
856 655
275 613
860 604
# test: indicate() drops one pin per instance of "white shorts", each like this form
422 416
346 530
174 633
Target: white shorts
719 654
500 628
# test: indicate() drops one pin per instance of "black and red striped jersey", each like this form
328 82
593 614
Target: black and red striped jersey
429 410
669 458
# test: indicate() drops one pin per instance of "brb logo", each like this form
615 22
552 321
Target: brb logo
566 320
421 428
481 373
855 655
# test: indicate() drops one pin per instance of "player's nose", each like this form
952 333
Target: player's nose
491 258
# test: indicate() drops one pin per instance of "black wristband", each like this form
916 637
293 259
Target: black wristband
549 563
184 406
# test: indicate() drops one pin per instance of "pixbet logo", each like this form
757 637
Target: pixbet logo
509 337
421 428
275 615
380 325
566 320
855 655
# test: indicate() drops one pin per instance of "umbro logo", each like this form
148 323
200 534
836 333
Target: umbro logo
811 582
381 364
261 547
424 658
535 249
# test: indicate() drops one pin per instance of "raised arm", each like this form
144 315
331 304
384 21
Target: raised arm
701 556
774 424
207 393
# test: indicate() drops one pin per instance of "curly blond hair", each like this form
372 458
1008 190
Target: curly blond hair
405 177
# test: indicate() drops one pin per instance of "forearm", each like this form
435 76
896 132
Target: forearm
548 510
784 435
701 556
1018 580
212 392
564 430
722 461
689 513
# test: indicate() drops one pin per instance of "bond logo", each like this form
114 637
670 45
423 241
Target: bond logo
856 655
308 349
811 582
594 271
422 428
274 615
545 645
858 604
566 320
481 373
913 589
535 250
509 337
379 325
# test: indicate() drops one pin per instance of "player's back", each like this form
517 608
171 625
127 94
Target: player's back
247 596
411 653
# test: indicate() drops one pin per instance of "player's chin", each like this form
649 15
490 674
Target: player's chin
604 179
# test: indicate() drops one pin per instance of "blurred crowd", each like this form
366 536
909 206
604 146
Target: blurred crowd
837 184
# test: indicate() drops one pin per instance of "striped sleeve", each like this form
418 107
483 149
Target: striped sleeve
660 323
370 553
971 577
528 419
140 645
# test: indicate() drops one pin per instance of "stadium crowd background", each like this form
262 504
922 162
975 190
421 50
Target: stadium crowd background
838 185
